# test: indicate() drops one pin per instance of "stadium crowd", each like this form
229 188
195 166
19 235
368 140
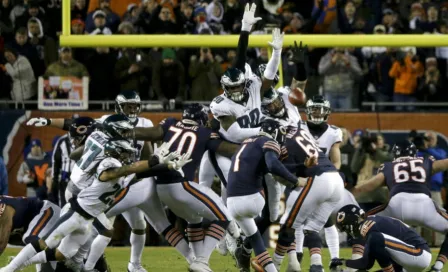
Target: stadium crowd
29 48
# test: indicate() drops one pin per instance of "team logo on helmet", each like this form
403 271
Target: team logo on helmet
341 217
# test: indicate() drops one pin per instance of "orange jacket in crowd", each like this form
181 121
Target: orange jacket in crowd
117 6
406 76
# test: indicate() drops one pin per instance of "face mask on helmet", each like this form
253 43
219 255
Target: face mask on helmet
128 103
131 110
121 150
317 114
234 85
274 107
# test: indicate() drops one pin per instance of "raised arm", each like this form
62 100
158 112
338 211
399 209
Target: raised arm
235 131
299 57
60 123
151 134
274 61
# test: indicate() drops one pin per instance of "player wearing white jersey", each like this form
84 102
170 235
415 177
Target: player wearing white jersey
72 229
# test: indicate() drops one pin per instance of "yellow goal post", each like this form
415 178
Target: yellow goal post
231 41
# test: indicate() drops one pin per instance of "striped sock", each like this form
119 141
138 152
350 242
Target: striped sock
195 234
213 235
357 251
315 256
176 239
266 262
440 262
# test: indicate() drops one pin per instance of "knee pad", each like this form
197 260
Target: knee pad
138 225
286 235
36 245
312 239
102 230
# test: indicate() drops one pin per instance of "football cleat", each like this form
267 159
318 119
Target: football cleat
316 268
221 247
299 256
231 243
242 259
198 266
135 267
74 266
293 265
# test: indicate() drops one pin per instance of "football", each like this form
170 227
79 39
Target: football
297 97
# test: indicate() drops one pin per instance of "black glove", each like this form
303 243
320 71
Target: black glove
299 56
336 262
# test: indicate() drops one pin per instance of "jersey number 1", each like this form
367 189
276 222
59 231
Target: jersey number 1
414 172
236 166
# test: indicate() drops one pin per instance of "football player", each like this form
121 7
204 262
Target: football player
315 202
29 217
75 225
128 103
256 156
408 178
390 242
187 199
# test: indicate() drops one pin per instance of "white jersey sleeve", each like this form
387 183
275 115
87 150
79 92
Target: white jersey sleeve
293 118
102 118
222 106
85 167
96 198
330 137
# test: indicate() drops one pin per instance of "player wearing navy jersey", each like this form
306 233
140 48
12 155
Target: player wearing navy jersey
257 156
73 228
316 201
390 242
187 199
408 180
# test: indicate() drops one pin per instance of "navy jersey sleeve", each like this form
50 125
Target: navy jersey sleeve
271 145
428 164
368 227
167 123
381 169
214 142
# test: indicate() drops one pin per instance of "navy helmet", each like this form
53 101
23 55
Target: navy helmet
349 218
317 109
128 103
116 125
273 129
195 114
121 150
260 71
404 149
233 82
80 129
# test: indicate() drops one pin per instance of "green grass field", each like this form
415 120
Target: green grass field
167 259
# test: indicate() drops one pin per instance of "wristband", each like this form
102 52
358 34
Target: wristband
48 121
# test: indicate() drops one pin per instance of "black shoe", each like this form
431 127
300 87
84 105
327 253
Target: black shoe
300 257
316 268
101 264
242 259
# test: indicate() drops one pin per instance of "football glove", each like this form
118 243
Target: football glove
277 39
180 161
249 18
163 153
39 122
298 53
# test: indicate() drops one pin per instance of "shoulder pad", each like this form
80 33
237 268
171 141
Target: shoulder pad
108 163
334 127
222 108
146 122
102 118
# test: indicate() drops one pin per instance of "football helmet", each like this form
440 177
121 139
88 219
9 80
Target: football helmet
348 219
317 109
272 104
121 150
404 149
129 104
195 114
273 129
260 71
116 125
80 129
233 83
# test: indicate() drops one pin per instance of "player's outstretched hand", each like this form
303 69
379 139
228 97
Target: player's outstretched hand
38 122
180 162
311 161
249 18
277 39
298 53
163 152
336 262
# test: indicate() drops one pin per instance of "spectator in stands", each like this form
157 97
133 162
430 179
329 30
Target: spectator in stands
346 18
232 12
370 154
406 70
163 20
6 27
21 72
261 58
339 69
145 15
200 17
101 70
347 152
32 170
131 71
110 19
391 22
168 77
45 46
215 15
371 52
3 178
431 23
18 10
126 28
205 73
186 20
22 45
379 76
132 13
33 10
431 84
78 27
99 21
79 10
417 17
66 65
117 6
